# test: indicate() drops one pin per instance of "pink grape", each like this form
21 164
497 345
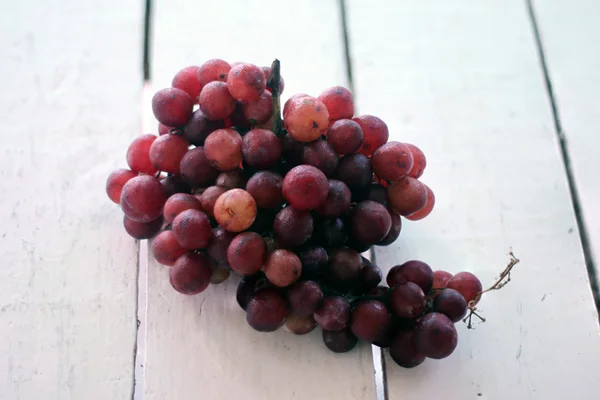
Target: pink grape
407 196
192 229
167 151
266 188
246 82
190 274
282 267
339 102
215 101
261 149
247 253
338 199
178 203
142 230
392 161
138 154
165 248
115 182
305 187
375 133
420 162
258 111
235 210
213 70
466 284
345 136
143 198
187 80
306 119
223 149
172 107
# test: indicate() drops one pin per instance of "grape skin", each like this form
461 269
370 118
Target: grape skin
411 271
305 187
407 300
224 149
306 119
355 171
395 230
305 298
190 274
165 248
142 198
235 210
187 80
334 313
293 227
267 310
339 102
142 230
266 188
174 184
233 179
375 133
407 196
370 320
259 111
373 215
196 170
344 266
261 149
345 136
247 253
192 229
138 154
216 102
450 303
282 267
338 199
246 82
370 275
163 129
339 341
172 107
219 243
178 203
392 161
213 70
320 154
404 350
209 198
436 336
199 127
466 284
314 260
115 182
440 278
331 233
166 153
248 286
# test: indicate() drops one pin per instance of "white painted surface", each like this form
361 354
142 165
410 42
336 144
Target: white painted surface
70 90
201 346
569 33
462 80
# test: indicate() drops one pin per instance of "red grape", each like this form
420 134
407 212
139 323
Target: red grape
192 229
172 107
213 70
261 149
407 300
440 278
339 102
370 320
190 274
375 132
411 271
224 149
345 136
265 187
320 154
246 82
282 267
219 243
407 196
355 171
167 151
425 211
450 303
306 119
338 199
142 198
267 310
178 203
300 325
187 80
370 275
344 266
138 154
233 179
209 197
395 229
331 233
305 187
436 336
420 162
247 253
235 210
466 284
267 72
314 260
142 230
339 341
404 350
196 170
305 297
248 286
334 313
392 161
174 184
199 127
258 111
165 248
163 129
373 215
115 182
293 227
215 101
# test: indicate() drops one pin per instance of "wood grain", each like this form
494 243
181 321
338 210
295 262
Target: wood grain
462 80
70 95
201 346
568 32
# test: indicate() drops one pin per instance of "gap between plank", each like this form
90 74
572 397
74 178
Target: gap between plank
564 151
147 39
347 55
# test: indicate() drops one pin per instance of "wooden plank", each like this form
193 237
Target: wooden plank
70 94
568 31
462 80
201 345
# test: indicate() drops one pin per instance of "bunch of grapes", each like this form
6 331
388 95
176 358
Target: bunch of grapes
289 204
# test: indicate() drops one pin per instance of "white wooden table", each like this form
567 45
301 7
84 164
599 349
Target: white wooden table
512 142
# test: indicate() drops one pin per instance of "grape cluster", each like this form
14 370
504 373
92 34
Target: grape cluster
289 205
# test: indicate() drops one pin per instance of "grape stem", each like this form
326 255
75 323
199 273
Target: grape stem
273 82
502 280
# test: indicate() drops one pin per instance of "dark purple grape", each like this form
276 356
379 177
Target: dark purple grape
395 229
379 291
450 303
370 320
174 184
339 341
411 271
265 187
142 230
196 169
219 242
354 244
338 199
344 266
320 154
436 336
231 179
333 314
404 350
267 310
314 260
355 171
370 222
305 297
261 149
293 227
248 286
407 300
292 150
370 276
199 127
377 192
263 223
331 233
